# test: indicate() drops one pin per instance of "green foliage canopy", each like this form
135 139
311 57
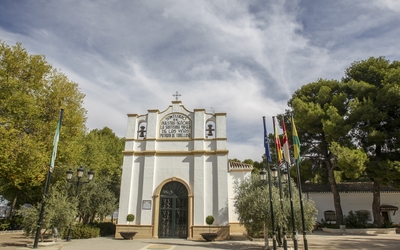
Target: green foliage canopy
59 213
102 152
253 206
32 94
351 127
95 199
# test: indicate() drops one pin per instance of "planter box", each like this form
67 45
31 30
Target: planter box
127 235
361 230
209 236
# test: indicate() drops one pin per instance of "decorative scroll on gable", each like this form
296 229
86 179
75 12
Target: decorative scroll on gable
175 125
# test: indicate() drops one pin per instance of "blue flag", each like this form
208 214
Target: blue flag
266 143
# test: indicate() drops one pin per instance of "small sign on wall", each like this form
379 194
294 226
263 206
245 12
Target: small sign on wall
146 205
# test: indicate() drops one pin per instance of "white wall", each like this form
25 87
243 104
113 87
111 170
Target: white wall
198 161
354 201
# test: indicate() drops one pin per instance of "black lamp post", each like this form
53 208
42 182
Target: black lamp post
80 172
263 178
307 182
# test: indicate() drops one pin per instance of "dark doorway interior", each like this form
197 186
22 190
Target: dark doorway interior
385 216
173 222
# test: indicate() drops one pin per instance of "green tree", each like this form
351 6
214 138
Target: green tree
59 212
321 111
352 127
373 87
102 153
31 96
253 207
249 161
257 166
95 200
235 160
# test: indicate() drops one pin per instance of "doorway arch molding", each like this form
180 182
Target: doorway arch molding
156 206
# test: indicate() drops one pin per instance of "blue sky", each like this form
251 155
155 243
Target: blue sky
245 58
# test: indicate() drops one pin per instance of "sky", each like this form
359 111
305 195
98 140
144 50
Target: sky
243 58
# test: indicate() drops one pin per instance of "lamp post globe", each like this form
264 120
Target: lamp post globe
274 172
69 175
263 174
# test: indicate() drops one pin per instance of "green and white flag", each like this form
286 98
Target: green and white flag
55 142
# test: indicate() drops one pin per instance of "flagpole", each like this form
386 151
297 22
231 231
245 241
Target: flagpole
278 163
301 207
289 180
46 188
268 159
297 157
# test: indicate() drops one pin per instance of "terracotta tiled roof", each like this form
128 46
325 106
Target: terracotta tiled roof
346 187
233 165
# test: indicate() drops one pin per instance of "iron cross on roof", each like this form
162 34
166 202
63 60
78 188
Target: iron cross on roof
176 95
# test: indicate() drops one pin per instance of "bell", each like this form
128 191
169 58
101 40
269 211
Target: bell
210 130
142 131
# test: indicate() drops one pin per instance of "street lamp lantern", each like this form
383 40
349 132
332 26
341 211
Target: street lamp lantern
90 175
80 172
263 174
274 172
69 175
285 174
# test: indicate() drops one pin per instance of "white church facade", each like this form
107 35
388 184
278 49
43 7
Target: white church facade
176 172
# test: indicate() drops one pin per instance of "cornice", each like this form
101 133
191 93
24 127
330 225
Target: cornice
193 152
176 139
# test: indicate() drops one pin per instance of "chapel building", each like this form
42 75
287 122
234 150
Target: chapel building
176 172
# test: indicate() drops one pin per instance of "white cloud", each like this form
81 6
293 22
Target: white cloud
245 58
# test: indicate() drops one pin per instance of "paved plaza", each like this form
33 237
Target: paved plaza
317 241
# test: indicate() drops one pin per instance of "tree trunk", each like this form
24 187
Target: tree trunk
92 218
266 242
376 203
13 206
336 196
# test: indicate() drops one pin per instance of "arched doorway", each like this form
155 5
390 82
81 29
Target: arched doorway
173 218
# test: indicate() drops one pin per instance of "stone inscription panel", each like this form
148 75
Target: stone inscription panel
175 126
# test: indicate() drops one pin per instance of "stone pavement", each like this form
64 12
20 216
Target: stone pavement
317 241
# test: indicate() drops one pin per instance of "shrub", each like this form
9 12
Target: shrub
106 228
256 234
130 217
80 231
16 222
210 220
326 224
4 224
387 224
356 220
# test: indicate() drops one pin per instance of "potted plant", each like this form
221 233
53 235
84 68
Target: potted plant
209 236
128 235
